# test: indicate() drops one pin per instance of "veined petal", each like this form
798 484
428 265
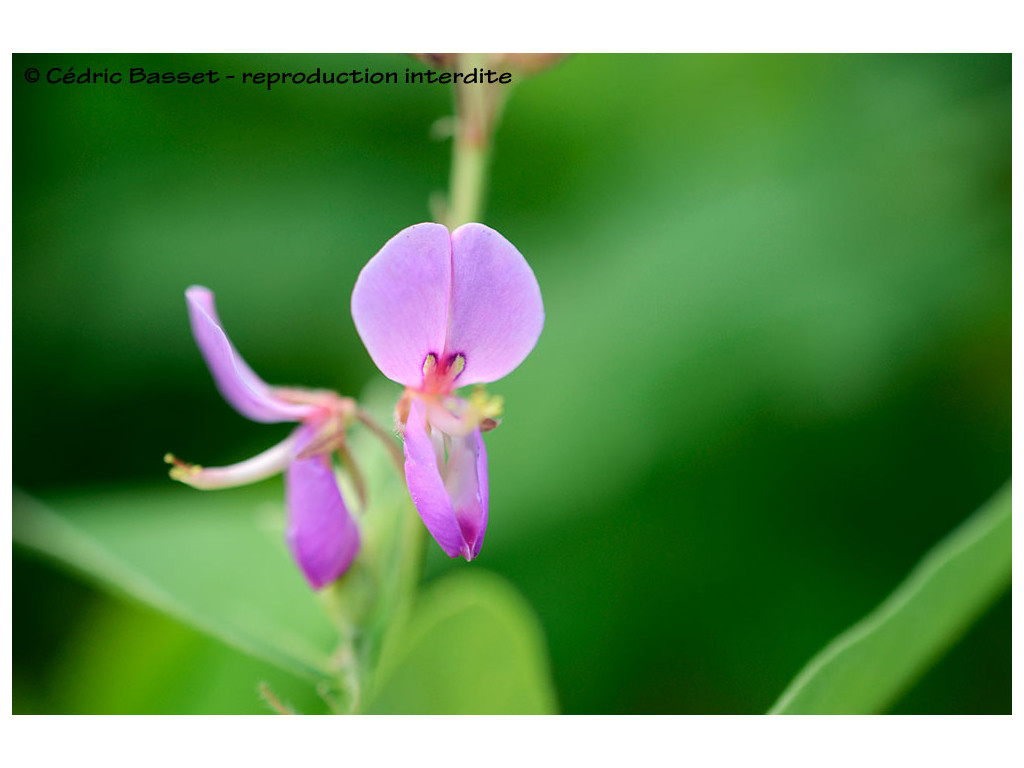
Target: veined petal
400 301
237 382
496 309
322 536
267 464
450 498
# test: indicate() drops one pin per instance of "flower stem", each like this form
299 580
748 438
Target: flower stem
345 602
477 110
386 439
469 172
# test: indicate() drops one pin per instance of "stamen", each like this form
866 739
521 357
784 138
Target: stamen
459 418
486 406
181 470
266 464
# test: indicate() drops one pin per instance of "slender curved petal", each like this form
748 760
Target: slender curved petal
496 308
237 382
450 497
267 464
321 534
400 301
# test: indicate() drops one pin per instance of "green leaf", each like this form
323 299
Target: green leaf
471 646
215 561
127 659
869 666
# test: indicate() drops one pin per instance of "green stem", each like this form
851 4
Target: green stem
468 181
378 589
373 596
477 110
386 438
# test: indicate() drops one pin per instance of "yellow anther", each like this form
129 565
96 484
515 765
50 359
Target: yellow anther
456 366
485 406
429 364
181 469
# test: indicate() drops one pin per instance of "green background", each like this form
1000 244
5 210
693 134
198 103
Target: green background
775 368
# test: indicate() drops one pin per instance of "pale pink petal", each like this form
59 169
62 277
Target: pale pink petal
267 464
400 301
322 536
451 497
465 478
242 388
496 308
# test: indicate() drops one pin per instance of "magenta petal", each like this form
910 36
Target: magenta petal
322 536
400 301
466 481
451 499
496 312
242 388
426 486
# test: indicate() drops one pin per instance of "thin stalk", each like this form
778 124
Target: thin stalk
385 437
477 110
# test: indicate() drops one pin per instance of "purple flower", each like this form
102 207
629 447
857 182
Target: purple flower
436 311
321 534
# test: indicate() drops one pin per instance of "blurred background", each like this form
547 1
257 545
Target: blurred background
775 369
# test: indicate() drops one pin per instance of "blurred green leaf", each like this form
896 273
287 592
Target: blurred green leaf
867 667
472 645
128 659
214 561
